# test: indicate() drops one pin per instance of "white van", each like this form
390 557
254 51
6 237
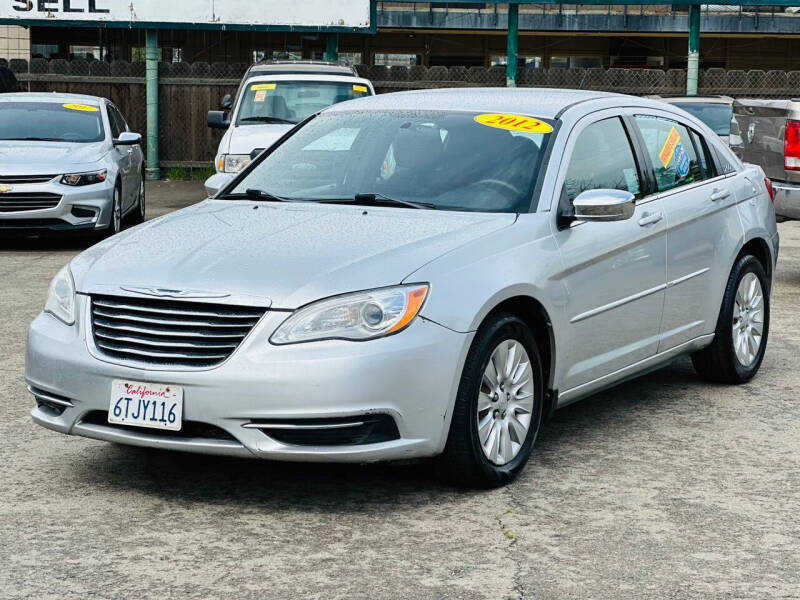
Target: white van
272 98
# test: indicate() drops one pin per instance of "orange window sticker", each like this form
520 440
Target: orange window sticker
260 96
257 87
514 123
82 107
668 149
360 88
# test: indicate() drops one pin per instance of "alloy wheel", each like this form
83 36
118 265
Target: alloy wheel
748 319
505 402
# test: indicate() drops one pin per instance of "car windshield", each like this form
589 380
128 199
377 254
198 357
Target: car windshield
293 101
50 121
716 116
447 160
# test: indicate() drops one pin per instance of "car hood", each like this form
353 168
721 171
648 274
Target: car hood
32 158
285 255
246 138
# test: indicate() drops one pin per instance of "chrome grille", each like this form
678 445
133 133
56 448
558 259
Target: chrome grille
21 179
169 332
18 202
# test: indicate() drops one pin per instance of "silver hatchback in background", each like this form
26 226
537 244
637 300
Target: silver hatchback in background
67 162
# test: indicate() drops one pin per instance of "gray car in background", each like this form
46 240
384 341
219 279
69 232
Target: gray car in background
420 274
714 111
67 162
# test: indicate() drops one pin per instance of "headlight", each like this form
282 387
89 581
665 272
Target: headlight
61 297
232 163
360 316
84 178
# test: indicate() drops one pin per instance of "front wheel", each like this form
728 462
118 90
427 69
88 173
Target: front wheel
115 222
139 214
498 408
740 338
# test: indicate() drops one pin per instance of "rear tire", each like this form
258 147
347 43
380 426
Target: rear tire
740 338
139 213
490 402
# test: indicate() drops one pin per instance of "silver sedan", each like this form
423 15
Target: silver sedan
67 162
416 275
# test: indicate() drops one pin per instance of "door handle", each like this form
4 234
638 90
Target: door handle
650 218
719 194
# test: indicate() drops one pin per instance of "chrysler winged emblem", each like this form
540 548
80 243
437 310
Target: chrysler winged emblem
4 189
173 293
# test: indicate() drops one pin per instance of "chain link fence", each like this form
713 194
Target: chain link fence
187 91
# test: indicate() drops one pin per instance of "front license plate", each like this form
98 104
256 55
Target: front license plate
146 404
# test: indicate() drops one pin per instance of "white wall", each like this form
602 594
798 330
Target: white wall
15 42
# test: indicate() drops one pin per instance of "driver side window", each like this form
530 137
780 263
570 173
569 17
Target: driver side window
602 158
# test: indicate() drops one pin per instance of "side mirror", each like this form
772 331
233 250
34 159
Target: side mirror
217 120
226 103
127 138
604 205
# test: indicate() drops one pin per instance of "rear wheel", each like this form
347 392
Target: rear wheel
139 213
740 338
497 411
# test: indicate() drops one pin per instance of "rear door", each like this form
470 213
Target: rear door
614 272
703 227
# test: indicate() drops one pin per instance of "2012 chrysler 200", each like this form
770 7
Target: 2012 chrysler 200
415 275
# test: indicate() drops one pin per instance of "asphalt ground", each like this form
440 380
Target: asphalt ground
664 487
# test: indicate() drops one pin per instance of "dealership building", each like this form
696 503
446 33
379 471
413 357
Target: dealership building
444 33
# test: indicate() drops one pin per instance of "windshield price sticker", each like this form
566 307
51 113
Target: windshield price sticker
514 123
257 87
260 96
360 88
82 107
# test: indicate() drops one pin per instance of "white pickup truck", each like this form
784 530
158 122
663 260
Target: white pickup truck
273 97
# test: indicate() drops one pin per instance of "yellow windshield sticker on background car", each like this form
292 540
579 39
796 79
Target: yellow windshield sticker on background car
83 107
262 86
360 88
514 123
668 149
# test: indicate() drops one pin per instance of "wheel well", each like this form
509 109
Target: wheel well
534 315
759 248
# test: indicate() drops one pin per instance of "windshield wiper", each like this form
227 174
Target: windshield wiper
254 194
375 200
35 139
267 120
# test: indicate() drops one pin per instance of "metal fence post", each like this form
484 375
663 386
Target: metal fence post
151 90
332 49
513 45
693 62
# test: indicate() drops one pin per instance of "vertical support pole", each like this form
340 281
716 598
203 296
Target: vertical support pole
152 170
693 62
332 49
513 45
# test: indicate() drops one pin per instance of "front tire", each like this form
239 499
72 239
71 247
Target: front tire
498 408
740 338
115 223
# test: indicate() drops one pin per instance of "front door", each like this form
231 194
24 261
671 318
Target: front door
613 272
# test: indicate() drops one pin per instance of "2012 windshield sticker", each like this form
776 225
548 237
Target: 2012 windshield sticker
257 87
81 107
514 123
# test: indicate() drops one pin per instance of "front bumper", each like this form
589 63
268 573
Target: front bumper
412 376
80 207
787 200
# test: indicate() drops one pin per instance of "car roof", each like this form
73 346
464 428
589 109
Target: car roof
693 99
51 97
545 103
301 67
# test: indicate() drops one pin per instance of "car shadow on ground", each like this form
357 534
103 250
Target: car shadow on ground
177 476
47 243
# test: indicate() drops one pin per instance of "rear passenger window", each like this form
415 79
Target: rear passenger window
672 153
703 155
602 159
